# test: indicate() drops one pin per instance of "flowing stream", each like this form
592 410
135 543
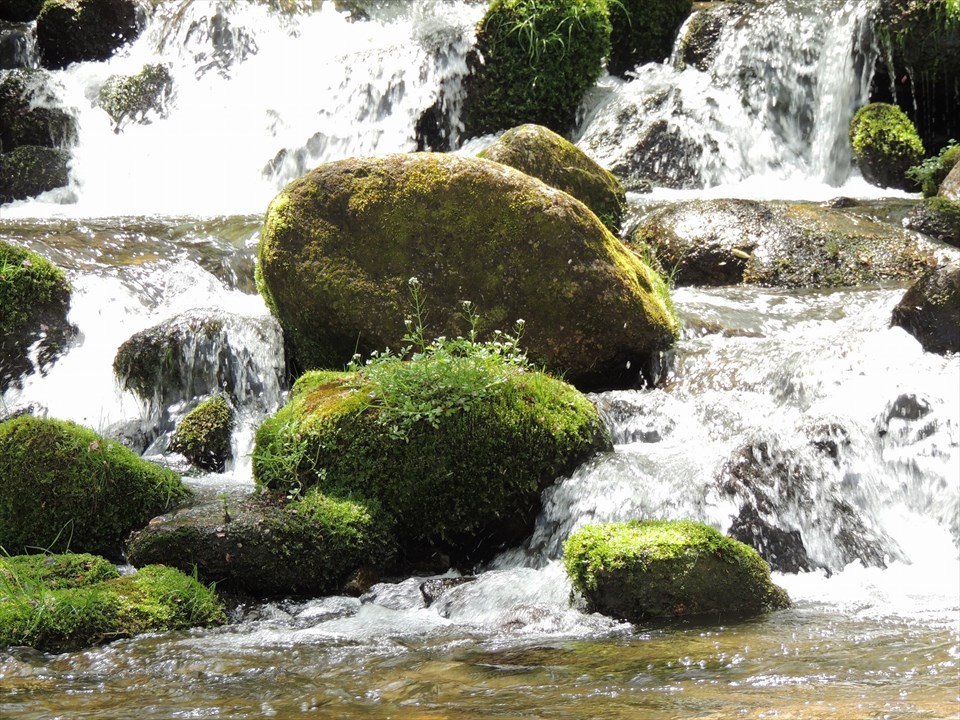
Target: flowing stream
161 221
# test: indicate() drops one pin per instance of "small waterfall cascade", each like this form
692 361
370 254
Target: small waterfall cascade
768 95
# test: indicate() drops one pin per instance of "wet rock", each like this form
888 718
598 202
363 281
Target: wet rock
203 436
885 145
938 218
30 112
664 156
699 44
782 549
781 244
269 546
16 46
30 170
71 31
20 11
930 309
634 416
643 31
434 589
133 98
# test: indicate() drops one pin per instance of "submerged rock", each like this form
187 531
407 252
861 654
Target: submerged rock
930 309
885 145
67 487
339 245
781 244
71 31
541 153
268 546
637 571
203 436
462 474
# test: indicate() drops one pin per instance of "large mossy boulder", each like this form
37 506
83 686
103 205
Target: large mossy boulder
71 31
30 112
643 31
57 603
930 309
65 487
203 436
457 449
34 300
268 546
938 218
638 571
536 59
541 153
885 145
339 245
134 98
783 244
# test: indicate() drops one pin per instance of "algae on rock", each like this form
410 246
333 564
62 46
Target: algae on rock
203 436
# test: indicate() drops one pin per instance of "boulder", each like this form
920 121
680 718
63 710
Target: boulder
34 300
133 98
782 244
71 31
541 153
339 245
20 10
640 570
73 613
16 46
458 448
950 187
203 436
534 61
643 31
938 218
268 546
67 487
930 309
699 44
885 145
30 113
30 170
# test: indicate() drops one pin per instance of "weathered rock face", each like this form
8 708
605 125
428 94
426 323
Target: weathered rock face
885 145
779 244
950 187
541 153
938 218
339 245
71 31
930 309
268 548
664 569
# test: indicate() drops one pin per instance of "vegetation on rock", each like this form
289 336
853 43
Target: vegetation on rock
65 487
203 436
30 170
45 608
640 570
29 112
885 145
131 98
71 31
930 173
643 31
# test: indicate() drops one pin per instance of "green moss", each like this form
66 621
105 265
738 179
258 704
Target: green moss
133 97
643 31
465 481
646 569
67 487
30 170
885 144
154 599
53 572
539 58
203 436
28 283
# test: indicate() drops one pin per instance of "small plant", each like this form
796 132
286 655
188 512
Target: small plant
932 171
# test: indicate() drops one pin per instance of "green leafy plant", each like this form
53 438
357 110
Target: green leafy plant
932 171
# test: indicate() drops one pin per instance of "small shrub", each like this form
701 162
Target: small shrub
932 171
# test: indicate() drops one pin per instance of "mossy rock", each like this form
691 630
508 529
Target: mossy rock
54 572
641 570
782 244
20 10
930 310
60 617
466 482
29 112
643 31
34 301
541 153
132 98
267 546
539 57
30 170
65 487
931 173
950 187
339 245
71 31
885 145
938 218
203 436
700 42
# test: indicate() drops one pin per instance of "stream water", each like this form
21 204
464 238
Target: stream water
163 219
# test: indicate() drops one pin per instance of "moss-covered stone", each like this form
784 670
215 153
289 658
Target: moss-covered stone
541 153
30 112
643 31
637 571
54 572
538 59
930 309
20 10
132 98
934 170
699 44
339 245
267 546
465 482
30 170
937 217
62 617
203 436
71 31
34 300
885 145
65 487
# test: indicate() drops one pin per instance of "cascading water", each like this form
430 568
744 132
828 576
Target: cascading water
798 418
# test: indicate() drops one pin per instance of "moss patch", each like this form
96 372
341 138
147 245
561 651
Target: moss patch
54 572
885 145
649 569
132 98
203 436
